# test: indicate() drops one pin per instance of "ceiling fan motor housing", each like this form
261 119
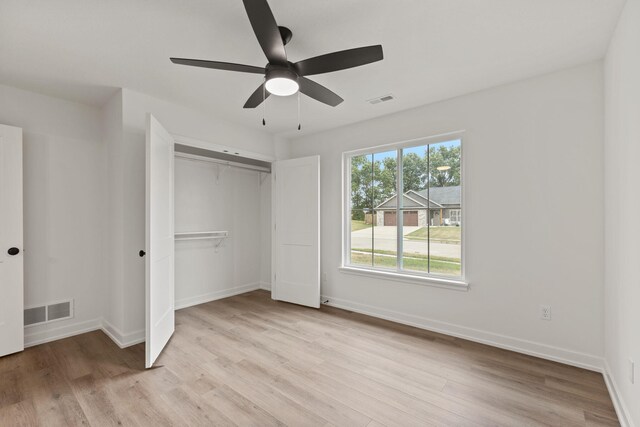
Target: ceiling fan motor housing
281 71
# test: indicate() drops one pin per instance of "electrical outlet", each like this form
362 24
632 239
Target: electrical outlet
632 371
324 278
545 312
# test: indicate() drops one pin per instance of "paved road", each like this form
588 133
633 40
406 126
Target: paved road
385 239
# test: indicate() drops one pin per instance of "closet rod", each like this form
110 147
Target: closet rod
221 162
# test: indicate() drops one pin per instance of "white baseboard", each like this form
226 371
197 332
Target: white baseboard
544 351
32 338
265 286
621 409
212 296
121 339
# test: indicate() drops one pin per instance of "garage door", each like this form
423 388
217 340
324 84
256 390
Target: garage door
410 218
390 218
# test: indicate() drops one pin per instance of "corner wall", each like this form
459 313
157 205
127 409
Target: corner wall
534 216
64 207
622 212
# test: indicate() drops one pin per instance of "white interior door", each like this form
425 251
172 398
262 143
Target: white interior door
11 269
159 262
296 242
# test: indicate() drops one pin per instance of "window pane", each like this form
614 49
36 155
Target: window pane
415 249
361 238
415 252
444 244
361 207
385 235
361 182
445 232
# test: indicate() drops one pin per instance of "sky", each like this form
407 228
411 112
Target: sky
419 150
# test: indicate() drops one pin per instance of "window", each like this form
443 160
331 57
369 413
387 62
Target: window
404 209
454 217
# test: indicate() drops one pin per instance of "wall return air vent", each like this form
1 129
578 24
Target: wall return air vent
48 313
383 98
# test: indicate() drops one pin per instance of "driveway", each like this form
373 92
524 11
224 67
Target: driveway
385 239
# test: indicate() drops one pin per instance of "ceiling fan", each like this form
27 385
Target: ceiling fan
282 77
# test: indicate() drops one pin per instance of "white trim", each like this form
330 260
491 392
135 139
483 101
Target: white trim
544 351
265 286
121 339
429 200
53 334
216 295
624 417
454 284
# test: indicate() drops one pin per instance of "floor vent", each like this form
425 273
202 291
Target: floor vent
380 99
48 313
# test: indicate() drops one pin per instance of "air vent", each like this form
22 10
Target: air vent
380 99
35 315
48 313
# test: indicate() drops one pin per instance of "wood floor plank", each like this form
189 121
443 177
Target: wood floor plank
251 361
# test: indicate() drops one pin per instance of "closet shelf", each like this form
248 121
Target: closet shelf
202 235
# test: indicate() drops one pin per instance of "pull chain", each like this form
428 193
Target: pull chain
299 125
264 104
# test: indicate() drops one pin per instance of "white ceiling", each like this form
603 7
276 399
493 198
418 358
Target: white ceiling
434 49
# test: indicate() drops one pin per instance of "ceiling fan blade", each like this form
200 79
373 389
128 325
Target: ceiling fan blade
339 60
219 65
266 30
257 97
318 92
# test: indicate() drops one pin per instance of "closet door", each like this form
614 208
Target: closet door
11 259
159 262
296 242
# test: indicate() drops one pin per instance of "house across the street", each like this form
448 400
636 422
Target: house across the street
444 203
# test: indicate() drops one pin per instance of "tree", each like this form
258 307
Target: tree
440 157
384 179
374 181
360 185
414 172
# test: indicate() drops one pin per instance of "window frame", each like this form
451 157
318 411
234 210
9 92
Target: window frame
399 274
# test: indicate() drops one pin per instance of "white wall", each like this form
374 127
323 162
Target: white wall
534 146
211 197
64 207
130 189
265 236
622 209
113 296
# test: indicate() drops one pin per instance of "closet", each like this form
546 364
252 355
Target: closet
222 218
221 223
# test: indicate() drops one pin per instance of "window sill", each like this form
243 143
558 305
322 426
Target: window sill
453 284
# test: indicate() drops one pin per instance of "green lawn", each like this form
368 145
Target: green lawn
449 234
358 225
414 262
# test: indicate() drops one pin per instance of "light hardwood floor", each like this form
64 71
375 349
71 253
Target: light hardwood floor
248 360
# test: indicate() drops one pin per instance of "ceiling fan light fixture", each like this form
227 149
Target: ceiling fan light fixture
282 86
281 82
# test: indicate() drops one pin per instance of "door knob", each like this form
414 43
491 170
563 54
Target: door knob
142 253
13 251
